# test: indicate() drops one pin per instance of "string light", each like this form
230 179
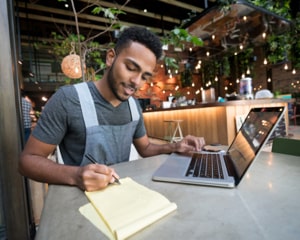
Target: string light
265 61
248 71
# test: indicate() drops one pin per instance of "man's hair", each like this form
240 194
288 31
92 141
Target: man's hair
142 36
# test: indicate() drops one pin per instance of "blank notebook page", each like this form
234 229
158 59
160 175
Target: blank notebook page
129 207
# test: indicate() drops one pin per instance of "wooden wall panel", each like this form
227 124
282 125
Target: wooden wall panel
215 123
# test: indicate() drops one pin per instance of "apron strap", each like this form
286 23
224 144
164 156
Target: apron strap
133 109
87 105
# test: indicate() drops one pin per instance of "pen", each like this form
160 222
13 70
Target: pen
90 158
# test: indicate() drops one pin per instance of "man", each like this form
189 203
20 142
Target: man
99 119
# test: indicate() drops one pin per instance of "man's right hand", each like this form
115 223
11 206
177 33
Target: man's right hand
93 177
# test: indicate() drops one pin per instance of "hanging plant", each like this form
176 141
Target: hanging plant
210 71
225 67
278 48
186 76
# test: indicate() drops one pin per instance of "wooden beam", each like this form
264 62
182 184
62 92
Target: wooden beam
136 11
183 5
80 16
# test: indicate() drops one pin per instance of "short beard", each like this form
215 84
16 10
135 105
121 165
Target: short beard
111 83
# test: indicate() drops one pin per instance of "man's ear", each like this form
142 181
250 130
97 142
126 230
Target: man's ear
110 57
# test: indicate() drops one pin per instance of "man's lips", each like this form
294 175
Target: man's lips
129 90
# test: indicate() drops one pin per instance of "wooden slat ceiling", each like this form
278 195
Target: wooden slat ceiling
38 18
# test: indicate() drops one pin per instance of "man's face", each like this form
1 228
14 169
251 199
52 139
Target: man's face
129 70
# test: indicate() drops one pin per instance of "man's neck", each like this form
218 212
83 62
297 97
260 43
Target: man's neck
105 91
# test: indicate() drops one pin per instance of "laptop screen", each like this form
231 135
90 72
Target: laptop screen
251 137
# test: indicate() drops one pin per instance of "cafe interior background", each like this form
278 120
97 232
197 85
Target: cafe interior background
210 47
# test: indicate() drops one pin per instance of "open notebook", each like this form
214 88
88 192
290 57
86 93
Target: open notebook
224 169
120 211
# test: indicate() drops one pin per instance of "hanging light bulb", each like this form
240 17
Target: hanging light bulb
294 71
286 67
269 79
216 79
264 35
213 37
248 71
265 61
207 53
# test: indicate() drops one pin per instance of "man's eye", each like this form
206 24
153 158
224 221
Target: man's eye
146 77
130 68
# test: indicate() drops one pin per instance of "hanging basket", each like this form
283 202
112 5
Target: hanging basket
71 66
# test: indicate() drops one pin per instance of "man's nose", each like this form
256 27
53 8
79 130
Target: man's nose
137 79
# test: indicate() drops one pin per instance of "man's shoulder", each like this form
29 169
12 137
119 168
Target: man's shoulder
66 92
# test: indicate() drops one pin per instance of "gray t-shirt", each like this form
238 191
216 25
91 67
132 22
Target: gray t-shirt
62 123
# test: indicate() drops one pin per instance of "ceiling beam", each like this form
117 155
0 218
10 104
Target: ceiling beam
136 11
183 5
56 20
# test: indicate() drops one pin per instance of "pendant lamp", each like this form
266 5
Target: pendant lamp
71 64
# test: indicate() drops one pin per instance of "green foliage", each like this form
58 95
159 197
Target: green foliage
225 66
285 46
186 78
171 62
179 37
278 47
109 13
279 7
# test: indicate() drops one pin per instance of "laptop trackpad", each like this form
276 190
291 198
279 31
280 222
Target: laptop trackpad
174 166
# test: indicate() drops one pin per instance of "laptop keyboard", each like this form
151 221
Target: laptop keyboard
205 165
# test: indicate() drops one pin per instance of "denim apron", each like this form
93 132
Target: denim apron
107 144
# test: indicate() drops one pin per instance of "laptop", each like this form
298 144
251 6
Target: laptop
223 168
